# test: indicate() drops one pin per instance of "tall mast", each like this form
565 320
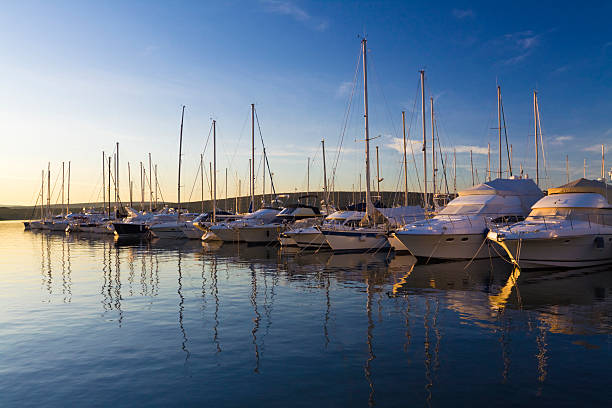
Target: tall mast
369 205
405 161
455 170
535 126
42 196
425 201
511 158
63 176
499 128
214 172
225 203
263 178
117 175
130 184
156 184
472 167
488 161
49 189
252 206
252 164
68 203
324 176
109 186
179 162
202 180
567 167
237 209
150 185
378 179
433 147
141 188
308 178
103 182
584 170
602 162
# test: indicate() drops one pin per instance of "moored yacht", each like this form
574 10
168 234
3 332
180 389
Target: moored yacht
233 231
459 230
570 227
310 237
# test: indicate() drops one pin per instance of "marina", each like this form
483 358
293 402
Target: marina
167 322
298 203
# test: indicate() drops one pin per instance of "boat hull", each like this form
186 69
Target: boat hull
444 246
193 232
559 252
356 241
130 230
260 234
310 239
222 233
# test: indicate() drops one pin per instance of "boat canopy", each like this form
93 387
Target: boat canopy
516 194
484 204
572 200
583 185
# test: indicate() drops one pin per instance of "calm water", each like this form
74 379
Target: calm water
86 321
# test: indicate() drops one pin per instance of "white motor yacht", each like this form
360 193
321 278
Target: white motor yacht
570 227
269 232
199 226
373 237
234 231
171 225
310 237
459 230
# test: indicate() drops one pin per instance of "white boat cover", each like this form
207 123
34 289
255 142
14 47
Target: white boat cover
525 190
573 200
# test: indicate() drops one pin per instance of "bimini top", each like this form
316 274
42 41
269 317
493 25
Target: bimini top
503 187
573 200
583 185
496 196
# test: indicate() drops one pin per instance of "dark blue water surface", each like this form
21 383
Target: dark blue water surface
86 321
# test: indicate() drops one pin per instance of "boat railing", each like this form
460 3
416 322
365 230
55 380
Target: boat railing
562 222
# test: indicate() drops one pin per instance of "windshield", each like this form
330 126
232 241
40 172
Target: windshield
463 209
594 215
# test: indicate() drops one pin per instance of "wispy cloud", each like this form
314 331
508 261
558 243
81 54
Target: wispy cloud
561 139
291 9
608 132
522 44
397 144
461 14
594 148
344 89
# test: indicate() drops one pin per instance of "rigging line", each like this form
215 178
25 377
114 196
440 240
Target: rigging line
346 118
506 133
441 155
266 163
195 180
241 134
542 144
416 171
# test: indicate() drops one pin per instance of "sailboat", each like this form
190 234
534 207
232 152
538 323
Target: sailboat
173 228
371 235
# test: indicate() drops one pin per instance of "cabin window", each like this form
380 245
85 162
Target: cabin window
450 239
464 238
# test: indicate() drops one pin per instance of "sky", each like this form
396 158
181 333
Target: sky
78 77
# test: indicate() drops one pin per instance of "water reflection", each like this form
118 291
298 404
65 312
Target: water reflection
367 316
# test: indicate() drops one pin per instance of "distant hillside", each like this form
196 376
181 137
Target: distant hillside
338 198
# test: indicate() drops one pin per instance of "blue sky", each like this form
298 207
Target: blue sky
76 77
